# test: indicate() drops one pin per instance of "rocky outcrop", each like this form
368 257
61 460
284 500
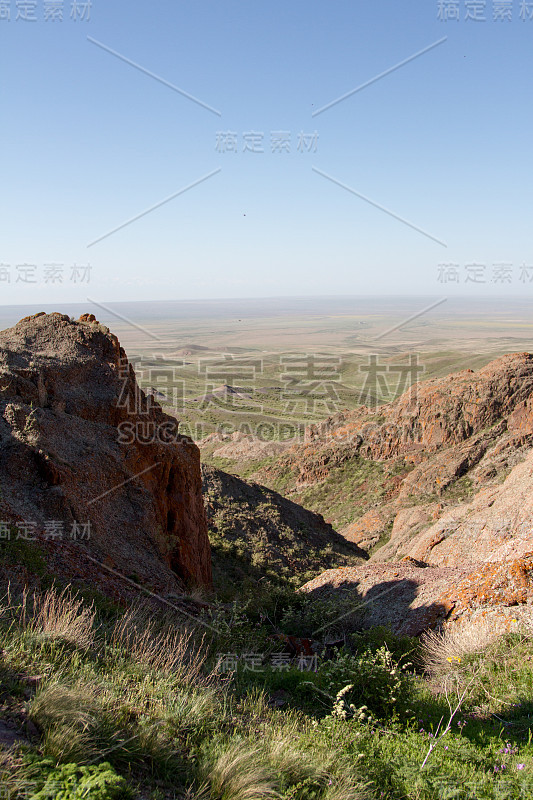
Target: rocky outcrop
367 531
407 598
91 469
410 598
497 525
475 562
439 443
237 445
452 541
437 413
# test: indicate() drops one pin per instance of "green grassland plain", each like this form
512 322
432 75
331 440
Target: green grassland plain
272 366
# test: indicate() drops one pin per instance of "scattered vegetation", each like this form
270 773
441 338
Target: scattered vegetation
138 707
257 535
347 491
460 490
347 487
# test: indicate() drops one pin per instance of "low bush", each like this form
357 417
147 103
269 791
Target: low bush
371 679
74 782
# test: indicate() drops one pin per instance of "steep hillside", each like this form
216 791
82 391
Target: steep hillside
456 534
257 533
473 565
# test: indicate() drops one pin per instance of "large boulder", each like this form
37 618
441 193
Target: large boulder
411 597
406 597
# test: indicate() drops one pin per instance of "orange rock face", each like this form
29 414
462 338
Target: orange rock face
367 530
444 427
437 413
81 445
447 559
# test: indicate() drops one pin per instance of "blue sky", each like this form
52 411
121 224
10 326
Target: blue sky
89 142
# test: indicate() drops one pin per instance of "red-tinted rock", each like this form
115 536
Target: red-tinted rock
80 443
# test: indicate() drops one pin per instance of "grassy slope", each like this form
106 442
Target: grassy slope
256 534
124 692
347 491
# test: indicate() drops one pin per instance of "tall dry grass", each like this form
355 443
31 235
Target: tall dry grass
240 772
443 650
68 715
168 650
345 788
61 616
61 704
16 777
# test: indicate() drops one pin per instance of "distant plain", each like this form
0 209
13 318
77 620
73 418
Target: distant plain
268 364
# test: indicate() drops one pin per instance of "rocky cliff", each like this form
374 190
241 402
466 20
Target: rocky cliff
448 519
92 471
439 443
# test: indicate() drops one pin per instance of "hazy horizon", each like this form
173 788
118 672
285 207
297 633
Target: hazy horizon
338 324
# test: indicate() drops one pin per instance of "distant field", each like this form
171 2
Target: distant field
275 395
272 366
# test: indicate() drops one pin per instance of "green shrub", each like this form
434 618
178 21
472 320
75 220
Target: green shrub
320 617
400 647
374 679
73 782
